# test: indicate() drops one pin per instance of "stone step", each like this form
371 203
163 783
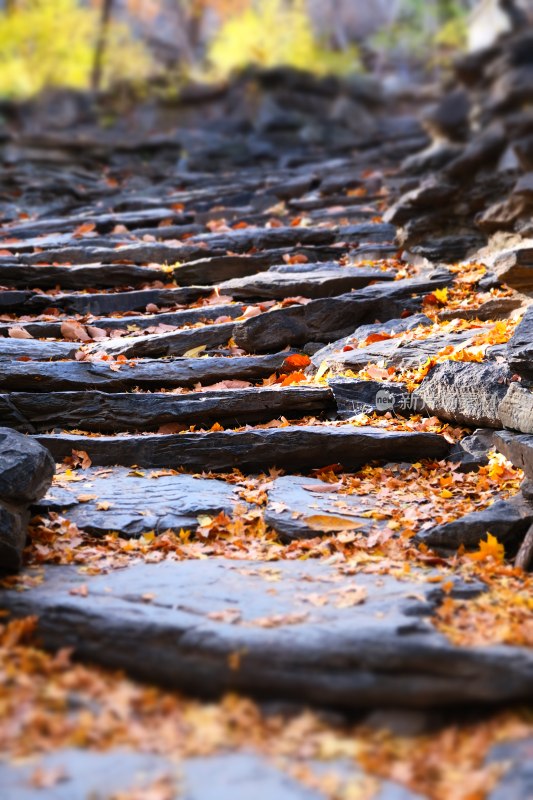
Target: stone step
332 318
132 503
131 321
290 447
216 625
329 280
59 376
109 413
99 303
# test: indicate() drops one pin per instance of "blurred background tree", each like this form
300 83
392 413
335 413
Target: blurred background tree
79 43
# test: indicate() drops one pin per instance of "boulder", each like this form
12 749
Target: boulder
465 393
26 472
508 520
520 347
516 409
515 268
518 448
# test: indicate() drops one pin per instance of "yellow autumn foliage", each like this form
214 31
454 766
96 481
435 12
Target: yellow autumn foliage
51 43
272 34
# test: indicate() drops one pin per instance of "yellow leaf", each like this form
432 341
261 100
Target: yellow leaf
441 295
323 368
489 549
194 352
446 494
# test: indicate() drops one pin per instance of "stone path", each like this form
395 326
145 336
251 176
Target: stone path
260 323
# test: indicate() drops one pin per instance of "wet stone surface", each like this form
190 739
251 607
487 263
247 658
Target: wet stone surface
368 640
118 499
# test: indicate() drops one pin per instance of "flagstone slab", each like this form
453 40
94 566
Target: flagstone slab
324 282
328 319
132 503
299 508
290 447
300 630
45 376
107 413
222 776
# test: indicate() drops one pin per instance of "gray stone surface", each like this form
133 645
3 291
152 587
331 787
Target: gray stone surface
36 350
138 504
147 374
329 280
329 319
354 649
508 520
373 397
87 775
293 507
516 409
26 471
518 448
472 451
398 353
225 776
520 347
390 327
108 413
515 268
465 393
160 345
291 447
517 781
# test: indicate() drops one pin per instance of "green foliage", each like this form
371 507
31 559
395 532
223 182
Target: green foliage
272 34
51 43
423 28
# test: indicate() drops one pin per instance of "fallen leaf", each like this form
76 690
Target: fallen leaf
328 524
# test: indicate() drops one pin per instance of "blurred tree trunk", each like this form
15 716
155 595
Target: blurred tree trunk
99 52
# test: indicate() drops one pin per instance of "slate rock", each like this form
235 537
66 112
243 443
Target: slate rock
517 780
26 468
518 448
106 413
36 350
325 282
520 346
508 520
498 308
109 302
355 396
89 774
397 353
516 409
390 327
147 374
328 319
465 393
292 506
26 472
224 776
515 268
161 345
13 533
472 451
290 447
381 652
138 504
